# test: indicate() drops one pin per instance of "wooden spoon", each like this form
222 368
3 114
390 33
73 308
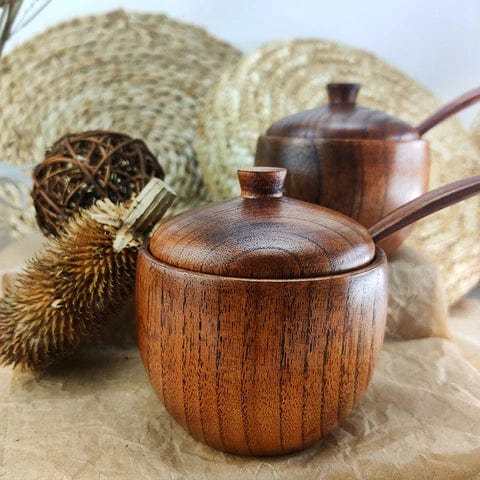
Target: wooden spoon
459 103
425 205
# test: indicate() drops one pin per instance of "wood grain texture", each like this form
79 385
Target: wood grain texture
259 367
363 179
342 118
263 235
262 182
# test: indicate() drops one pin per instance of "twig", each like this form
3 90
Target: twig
10 23
9 13
24 22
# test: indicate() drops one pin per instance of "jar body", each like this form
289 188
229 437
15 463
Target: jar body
364 179
259 367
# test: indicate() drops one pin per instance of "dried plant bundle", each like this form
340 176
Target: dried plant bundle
8 13
10 19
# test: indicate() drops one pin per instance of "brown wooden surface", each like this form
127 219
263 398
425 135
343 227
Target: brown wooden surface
342 118
262 182
425 205
364 179
259 367
361 162
262 235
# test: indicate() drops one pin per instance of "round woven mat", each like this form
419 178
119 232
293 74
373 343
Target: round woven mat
142 74
286 77
17 214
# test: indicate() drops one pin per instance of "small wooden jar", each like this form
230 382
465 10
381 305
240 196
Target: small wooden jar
260 319
355 160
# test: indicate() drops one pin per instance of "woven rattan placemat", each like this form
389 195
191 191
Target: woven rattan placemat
286 77
476 130
142 74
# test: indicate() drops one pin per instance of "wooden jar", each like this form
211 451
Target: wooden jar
355 160
260 319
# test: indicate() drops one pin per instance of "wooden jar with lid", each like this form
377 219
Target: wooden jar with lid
361 162
260 319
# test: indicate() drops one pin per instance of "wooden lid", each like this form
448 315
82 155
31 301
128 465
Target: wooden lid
263 235
343 118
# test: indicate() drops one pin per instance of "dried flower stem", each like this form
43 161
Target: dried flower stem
9 12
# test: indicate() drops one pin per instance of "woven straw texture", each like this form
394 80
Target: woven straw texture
286 77
17 215
476 130
141 74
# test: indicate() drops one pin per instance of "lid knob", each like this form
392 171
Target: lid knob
260 182
342 93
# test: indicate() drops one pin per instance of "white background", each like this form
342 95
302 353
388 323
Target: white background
436 42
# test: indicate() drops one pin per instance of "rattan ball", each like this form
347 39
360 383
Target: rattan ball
81 168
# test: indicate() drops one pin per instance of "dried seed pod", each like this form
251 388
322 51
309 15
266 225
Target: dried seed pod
67 291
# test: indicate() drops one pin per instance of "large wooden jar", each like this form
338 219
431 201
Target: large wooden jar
358 161
260 319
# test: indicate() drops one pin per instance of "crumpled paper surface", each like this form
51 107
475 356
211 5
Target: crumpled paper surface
96 417
465 326
417 306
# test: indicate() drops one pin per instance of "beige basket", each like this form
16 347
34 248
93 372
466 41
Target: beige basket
142 74
282 78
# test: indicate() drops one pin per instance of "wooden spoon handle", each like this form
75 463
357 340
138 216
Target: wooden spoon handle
461 102
425 205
